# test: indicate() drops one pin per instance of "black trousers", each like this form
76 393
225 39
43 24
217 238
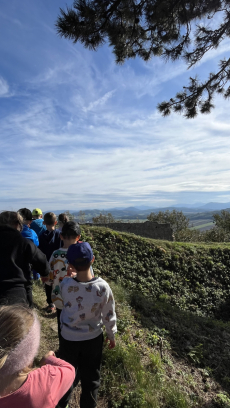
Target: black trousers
85 356
48 290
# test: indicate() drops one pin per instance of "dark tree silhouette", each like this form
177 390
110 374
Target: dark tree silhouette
172 29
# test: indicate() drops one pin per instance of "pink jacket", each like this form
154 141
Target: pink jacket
43 387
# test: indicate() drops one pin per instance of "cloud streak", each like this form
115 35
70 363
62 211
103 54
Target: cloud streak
81 132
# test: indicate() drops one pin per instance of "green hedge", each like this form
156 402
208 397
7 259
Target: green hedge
193 277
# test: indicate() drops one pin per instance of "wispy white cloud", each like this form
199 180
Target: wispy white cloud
84 132
100 101
11 20
4 88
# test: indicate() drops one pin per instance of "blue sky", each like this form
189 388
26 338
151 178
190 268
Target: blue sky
79 131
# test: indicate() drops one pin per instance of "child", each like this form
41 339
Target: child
17 254
71 233
49 241
37 224
88 305
62 219
27 232
21 385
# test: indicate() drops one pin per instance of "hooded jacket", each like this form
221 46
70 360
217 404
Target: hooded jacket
38 226
30 234
17 254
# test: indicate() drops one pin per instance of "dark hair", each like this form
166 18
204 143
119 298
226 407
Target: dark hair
50 218
63 218
71 230
82 266
26 214
11 218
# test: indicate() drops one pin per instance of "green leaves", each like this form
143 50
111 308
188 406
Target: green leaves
177 220
193 278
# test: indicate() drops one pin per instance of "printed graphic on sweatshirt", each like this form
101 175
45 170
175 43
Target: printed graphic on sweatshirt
60 272
51 276
100 292
58 264
109 315
73 289
94 307
60 253
56 290
91 308
79 300
56 261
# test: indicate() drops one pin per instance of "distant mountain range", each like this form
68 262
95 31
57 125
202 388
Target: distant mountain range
193 212
197 207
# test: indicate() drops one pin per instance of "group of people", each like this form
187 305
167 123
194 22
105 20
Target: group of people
32 247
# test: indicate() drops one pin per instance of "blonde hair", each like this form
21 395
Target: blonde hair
15 323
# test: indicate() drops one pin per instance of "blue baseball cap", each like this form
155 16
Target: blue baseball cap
79 254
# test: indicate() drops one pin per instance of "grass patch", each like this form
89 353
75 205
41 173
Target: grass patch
133 374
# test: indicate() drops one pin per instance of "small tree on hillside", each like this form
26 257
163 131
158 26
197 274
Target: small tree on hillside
216 234
103 219
81 216
176 219
222 220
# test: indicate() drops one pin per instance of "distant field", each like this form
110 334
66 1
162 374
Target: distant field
203 227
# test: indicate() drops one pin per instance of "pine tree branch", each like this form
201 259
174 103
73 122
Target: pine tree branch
146 28
191 99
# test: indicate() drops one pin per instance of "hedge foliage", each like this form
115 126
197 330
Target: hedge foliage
193 277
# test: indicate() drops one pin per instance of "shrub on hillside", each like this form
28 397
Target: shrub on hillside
178 221
195 278
222 220
103 219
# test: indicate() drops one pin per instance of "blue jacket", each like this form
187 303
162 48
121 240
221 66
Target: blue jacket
30 234
37 226
49 241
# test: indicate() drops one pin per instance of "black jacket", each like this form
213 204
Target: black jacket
16 255
49 241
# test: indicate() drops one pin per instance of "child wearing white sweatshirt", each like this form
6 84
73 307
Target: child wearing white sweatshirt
88 305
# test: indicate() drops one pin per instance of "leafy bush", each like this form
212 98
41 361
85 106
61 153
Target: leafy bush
103 219
176 219
194 278
222 220
223 401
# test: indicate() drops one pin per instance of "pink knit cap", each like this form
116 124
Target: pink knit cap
25 351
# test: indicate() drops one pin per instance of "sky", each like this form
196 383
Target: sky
78 131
